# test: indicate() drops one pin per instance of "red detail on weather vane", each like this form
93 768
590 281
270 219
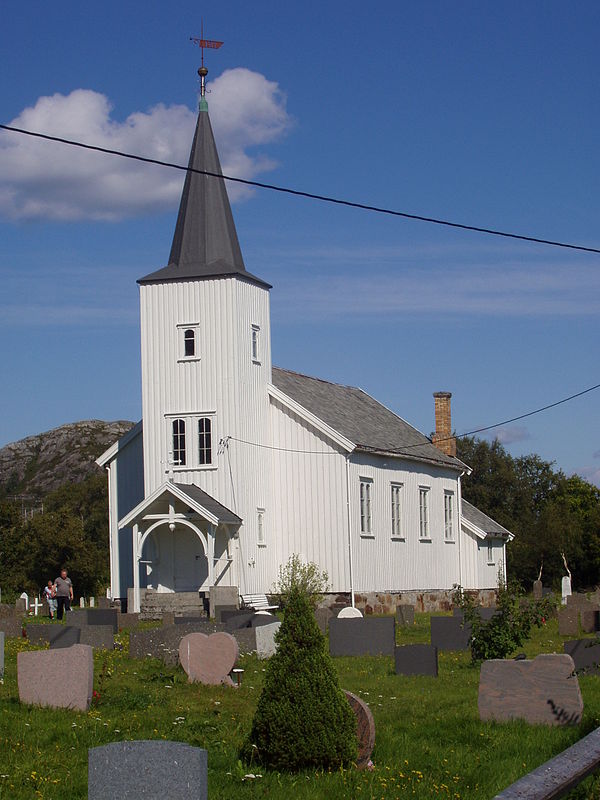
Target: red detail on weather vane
202 42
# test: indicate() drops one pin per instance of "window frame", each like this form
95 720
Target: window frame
178 441
396 497
490 553
365 505
206 448
255 344
183 329
449 506
424 518
261 539
191 441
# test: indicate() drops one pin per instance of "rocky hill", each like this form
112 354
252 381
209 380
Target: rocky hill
40 464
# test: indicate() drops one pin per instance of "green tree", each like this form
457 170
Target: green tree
303 719
299 576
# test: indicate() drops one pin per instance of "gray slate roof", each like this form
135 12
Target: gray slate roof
483 522
199 496
360 418
205 243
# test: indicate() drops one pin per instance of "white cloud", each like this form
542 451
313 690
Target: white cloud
507 434
45 180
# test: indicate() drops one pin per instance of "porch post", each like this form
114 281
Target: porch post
212 534
136 568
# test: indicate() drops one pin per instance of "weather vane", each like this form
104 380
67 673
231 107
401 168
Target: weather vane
202 43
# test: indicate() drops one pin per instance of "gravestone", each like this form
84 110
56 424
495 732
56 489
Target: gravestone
589 619
100 637
223 596
151 770
61 678
323 616
349 613
57 636
20 605
208 659
544 690
405 614
417 659
371 636
246 639
565 588
128 620
163 642
448 633
11 626
568 621
92 602
537 590
261 618
191 620
168 618
365 729
236 619
265 639
25 598
219 612
578 599
1 654
104 602
585 654
103 616
82 602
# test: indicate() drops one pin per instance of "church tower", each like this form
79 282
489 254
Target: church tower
206 365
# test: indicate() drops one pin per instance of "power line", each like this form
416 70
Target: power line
308 195
422 444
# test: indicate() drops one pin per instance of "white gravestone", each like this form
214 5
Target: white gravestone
566 589
92 602
82 602
26 598
265 640
349 613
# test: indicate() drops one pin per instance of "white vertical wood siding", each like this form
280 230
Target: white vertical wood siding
488 570
223 381
470 560
384 563
309 515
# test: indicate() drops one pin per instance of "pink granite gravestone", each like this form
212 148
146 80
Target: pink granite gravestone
208 659
545 690
365 729
61 678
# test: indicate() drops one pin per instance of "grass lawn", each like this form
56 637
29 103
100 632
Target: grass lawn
429 741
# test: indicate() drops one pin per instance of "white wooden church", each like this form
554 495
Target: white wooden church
237 465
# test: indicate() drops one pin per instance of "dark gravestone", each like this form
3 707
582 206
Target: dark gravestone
262 619
417 659
585 654
246 639
11 626
20 605
365 729
578 599
56 635
152 770
219 611
448 633
163 642
100 637
236 619
370 636
568 621
589 619
103 616
128 620
405 614
323 615
7 611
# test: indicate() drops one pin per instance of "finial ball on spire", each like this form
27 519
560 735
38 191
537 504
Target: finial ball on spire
202 71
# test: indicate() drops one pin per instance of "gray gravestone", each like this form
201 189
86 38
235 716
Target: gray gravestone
417 659
11 626
578 599
568 621
103 616
1 654
585 654
223 596
323 615
236 619
537 590
163 642
219 612
589 619
246 639
405 614
542 691
100 637
152 770
20 605
448 633
369 636
262 619
265 639
56 635
128 620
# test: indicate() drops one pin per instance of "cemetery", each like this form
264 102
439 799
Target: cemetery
172 702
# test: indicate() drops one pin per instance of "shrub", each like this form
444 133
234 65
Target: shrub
510 626
305 578
303 719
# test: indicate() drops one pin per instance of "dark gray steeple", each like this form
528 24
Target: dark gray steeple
205 244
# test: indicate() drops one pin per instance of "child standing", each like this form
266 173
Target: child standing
49 594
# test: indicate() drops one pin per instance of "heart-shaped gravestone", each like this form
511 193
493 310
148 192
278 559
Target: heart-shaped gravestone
208 659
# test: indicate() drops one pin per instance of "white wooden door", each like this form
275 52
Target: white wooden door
190 565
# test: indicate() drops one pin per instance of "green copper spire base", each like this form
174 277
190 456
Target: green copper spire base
202 104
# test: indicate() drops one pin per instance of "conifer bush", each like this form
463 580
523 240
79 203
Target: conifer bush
303 719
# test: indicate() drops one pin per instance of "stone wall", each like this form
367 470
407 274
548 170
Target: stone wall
386 602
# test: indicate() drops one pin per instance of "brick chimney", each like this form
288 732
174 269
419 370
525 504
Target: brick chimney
442 438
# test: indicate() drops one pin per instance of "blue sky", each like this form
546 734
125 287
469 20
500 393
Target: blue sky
482 113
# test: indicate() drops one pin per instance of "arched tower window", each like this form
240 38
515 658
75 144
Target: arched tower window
179 442
204 441
189 343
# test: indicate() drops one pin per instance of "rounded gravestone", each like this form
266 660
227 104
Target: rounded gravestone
208 659
349 613
365 729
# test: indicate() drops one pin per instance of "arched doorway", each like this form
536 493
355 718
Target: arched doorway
173 558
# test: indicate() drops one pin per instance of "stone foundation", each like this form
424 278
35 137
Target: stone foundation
423 601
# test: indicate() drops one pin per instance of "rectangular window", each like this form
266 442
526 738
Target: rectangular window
260 522
179 442
396 510
424 512
490 553
188 345
255 343
449 516
204 441
365 506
